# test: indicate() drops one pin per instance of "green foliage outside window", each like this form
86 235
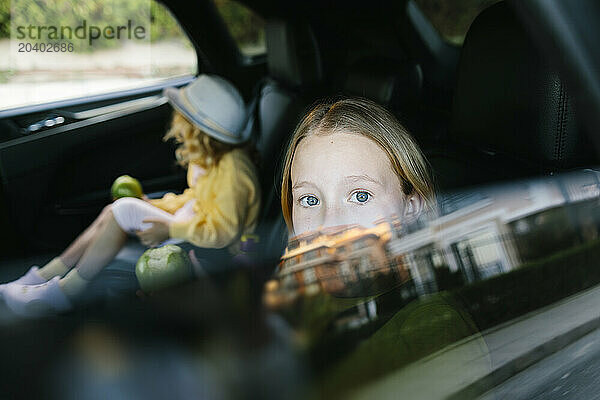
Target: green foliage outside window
71 13
246 28
4 19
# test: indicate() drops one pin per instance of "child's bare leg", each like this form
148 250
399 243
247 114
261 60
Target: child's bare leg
73 253
106 243
68 258
105 240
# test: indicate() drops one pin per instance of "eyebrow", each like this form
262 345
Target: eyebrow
354 178
300 184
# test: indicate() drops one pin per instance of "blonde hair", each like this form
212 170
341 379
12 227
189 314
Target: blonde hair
194 144
363 117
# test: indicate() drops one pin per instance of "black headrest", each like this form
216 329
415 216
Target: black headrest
292 53
509 99
392 83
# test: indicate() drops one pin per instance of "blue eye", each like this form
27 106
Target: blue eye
360 197
309 201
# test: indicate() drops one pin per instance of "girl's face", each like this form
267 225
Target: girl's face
342 178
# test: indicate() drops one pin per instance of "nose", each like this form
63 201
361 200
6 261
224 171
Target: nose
335 215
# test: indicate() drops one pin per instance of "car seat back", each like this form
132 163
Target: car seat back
293 84
512 115
395 84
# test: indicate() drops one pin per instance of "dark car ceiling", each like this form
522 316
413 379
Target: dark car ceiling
361 22
344 31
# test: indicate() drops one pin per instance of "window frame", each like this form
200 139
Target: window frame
243 59
119 94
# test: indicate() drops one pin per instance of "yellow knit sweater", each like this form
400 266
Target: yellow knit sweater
227 203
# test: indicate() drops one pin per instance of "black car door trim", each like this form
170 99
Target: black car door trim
142 103
148 103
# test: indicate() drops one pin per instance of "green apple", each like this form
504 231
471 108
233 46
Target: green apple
126 186
163 267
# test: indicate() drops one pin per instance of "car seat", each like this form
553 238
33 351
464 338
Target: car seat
512 115
292 85
395 84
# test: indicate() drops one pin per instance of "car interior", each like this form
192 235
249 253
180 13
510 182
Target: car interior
496 110
474 127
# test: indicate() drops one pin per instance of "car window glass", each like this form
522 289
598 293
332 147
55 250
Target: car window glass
492 254
67 49
246 27
453 18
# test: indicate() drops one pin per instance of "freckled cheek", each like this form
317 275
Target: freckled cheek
366 215
305 220
387 203
395 205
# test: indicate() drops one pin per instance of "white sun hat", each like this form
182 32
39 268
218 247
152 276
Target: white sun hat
215 106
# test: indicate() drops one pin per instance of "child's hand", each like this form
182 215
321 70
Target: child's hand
158 233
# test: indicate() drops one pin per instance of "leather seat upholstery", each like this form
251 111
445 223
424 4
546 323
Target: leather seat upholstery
293 84
512 114
395 84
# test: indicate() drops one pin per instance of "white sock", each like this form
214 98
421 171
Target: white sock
73 284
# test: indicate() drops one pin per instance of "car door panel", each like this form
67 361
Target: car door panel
55 181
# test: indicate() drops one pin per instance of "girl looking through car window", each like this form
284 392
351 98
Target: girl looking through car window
351 162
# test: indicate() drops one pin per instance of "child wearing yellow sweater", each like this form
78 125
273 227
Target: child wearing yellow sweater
211 123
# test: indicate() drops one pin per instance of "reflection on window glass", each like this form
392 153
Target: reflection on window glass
453 18
497 253
309 276
64 49
481 255
246 28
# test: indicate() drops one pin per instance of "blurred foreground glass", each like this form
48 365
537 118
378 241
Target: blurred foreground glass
367 301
